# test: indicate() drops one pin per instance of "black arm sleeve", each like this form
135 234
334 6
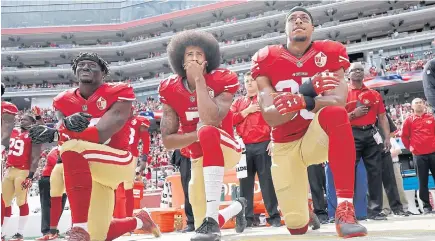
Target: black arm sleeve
429 83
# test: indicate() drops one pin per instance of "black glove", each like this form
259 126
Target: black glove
41 134
77 122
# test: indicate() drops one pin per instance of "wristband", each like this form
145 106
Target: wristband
307 89
30 175
89 134
309 102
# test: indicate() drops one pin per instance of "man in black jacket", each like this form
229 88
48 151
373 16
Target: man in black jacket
429 83
179 159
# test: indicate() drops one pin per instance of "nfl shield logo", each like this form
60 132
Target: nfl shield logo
101 103
192 98
320 59
84 107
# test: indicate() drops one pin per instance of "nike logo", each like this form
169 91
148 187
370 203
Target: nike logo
210 201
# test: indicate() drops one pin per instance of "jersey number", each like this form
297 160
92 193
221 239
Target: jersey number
293 87
131 137
16 147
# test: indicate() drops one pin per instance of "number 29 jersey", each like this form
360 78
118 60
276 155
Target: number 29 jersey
287 73
173 93
20 150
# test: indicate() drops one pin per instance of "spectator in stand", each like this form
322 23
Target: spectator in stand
255 133
418 136
429 83
45 198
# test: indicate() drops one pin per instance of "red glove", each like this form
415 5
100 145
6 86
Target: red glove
287 102
368 98
325 81
27 183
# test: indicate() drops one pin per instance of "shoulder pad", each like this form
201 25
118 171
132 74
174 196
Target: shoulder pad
9 108
62 97
223 75
263 59
329 46
53 152
143 121
227 78
267 53
166 83
121 91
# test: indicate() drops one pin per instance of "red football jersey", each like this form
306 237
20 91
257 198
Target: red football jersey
9 108
173 93
135 135
51 161
20 150
70 102
287 73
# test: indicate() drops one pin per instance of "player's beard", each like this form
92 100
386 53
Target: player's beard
86 81
299 38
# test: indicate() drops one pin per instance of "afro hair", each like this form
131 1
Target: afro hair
92 57
206 41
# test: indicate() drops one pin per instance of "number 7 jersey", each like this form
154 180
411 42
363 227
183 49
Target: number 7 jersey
173 93
286 73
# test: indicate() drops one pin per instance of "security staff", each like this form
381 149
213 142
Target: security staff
364 106
181 159
388 178
255 133
418 136
429 83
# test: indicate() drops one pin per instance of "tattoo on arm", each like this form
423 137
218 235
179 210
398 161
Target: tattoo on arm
223 102
113 120
169 123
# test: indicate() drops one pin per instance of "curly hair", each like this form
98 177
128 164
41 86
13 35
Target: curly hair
206 41
92 57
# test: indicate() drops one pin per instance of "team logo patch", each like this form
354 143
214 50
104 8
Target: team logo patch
366 102
429 121
101 103
210 92
320 59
